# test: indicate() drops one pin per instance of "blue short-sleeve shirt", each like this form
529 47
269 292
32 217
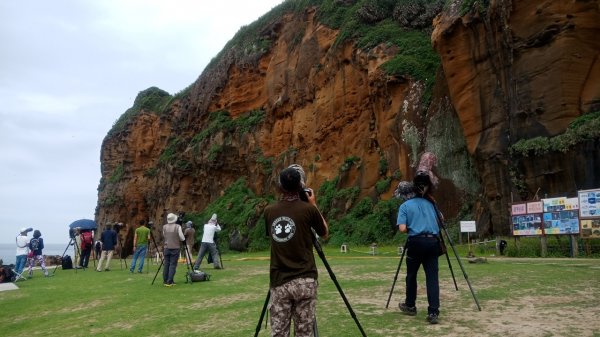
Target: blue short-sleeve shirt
419 216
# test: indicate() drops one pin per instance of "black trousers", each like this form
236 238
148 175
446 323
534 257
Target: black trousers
423 251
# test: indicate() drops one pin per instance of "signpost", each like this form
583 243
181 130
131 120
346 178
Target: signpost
468 227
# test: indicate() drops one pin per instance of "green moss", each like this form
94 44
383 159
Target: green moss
266 162
480 6
214 151
170 152
117 174
348 163
583 128
383 185
249 121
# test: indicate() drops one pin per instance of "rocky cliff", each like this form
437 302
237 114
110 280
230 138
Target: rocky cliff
356 108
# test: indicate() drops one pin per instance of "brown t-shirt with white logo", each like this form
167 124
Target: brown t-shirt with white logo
289 225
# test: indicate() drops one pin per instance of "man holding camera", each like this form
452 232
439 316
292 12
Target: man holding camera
418 217
208 243
22 242
173 237
293 273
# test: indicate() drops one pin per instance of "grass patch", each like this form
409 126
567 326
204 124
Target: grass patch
118 303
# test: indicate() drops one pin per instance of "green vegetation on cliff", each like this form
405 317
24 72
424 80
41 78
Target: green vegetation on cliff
153 100
581 129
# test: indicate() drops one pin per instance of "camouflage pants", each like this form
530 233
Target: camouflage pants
295 300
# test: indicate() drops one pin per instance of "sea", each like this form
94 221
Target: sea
8 251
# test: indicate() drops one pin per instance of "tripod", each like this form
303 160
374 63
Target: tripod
188 263
319 250
63 254
441 226
157 252
121 251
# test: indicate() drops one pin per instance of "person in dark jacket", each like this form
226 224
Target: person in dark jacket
36 245
109 241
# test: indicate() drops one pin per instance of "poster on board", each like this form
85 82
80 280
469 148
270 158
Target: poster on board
589 203
528 224
590 228
518 209
554 204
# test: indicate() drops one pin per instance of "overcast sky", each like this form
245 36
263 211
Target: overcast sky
68 70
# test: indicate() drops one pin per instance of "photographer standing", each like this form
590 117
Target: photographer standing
208 243
293 273
22 242
77 247
173 238
190 237
109 241
140 244
418 217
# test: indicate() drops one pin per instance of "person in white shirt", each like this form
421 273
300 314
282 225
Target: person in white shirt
22 242
208 243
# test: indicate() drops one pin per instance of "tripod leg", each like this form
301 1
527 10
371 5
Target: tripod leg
396 276
450 264
462 268
188 264
262 313
337 285
158 271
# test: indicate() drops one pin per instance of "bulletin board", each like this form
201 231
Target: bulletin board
561 215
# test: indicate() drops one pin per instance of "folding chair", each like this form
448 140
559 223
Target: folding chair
16 276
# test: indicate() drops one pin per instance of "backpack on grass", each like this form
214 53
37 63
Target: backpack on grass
197 276
67 262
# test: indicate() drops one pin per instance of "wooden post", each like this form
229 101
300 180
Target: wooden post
574 246
544 245
497 246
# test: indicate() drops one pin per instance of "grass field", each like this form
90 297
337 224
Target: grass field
519 297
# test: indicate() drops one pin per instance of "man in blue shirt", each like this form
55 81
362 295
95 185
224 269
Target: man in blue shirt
418 218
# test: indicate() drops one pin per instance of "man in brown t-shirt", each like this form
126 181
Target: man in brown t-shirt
293 272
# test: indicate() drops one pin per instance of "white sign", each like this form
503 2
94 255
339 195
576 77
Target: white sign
589 203
467 226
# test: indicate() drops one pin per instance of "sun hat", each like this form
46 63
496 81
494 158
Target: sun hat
171 218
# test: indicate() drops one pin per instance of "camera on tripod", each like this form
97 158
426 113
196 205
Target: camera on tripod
118 226
180 217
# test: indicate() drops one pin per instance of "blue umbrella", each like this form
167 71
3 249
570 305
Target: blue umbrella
84 224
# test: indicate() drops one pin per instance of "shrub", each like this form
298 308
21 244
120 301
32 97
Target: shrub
581 129
117 174
153 100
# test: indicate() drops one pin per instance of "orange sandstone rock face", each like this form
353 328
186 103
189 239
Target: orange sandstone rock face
524 69
322 104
